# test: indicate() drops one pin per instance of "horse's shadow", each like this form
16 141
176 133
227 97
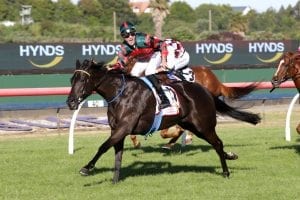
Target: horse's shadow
139 168
188 150
296 147
177 148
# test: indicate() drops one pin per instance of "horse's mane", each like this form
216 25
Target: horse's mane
102 66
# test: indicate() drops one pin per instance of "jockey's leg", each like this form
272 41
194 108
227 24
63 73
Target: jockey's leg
153 63
139 69
164 99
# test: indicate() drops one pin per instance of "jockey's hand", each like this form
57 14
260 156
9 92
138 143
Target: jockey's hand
162 69
109 67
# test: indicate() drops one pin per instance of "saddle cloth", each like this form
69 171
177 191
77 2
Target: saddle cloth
171 95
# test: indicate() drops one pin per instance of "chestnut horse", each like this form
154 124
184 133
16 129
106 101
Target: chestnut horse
205 77
288 68
129 112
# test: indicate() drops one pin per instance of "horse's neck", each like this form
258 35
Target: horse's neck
297 84
296 77
111 87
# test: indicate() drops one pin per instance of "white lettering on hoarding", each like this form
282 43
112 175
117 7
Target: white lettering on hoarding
94 50
214 48
265 47
41 50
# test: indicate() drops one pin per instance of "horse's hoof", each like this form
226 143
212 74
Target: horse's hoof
168 146
231 156
85 171
226 174
137 145
188 140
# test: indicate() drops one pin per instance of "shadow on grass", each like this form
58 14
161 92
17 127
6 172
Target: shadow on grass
188 150
177 148
295 147
139 168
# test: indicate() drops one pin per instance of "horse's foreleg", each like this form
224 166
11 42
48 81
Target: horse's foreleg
118 159
87 169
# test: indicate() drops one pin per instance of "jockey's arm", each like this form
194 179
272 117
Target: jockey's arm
164 54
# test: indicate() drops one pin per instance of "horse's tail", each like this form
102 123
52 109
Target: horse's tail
237 92
244 116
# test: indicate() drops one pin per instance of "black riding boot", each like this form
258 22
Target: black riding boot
164 99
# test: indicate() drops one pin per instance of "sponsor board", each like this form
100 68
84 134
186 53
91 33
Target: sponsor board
63 56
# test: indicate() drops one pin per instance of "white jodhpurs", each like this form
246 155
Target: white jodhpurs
146 68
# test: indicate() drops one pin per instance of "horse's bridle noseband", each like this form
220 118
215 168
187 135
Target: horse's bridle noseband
83 71
80 99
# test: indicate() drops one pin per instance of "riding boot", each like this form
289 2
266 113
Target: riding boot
164 99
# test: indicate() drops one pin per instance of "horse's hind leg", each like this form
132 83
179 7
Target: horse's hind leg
215 141
135 141
167 133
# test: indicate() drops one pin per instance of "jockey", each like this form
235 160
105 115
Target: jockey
152 54
146 50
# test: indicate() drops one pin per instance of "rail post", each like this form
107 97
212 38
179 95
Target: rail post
288 118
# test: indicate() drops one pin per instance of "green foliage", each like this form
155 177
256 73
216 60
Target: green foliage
182 11
122 10
221 15
93 20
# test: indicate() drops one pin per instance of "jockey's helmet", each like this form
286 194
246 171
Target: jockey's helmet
126 28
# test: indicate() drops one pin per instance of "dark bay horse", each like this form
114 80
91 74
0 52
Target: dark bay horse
288 68
130 112
205 77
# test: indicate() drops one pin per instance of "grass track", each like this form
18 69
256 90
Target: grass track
268 167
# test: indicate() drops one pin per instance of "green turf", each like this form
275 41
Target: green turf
36 168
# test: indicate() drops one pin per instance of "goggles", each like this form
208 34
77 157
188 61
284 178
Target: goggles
127 34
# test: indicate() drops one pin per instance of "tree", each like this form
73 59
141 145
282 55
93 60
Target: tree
159 13
238 24
92 11
67 12
182 11
122 10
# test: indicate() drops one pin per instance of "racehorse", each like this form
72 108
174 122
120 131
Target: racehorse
129 112
205 77
288 68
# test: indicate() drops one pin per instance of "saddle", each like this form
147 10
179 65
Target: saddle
170 94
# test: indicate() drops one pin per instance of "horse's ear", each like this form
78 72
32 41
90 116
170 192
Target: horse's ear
77 64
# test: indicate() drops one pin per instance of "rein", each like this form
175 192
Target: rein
120 90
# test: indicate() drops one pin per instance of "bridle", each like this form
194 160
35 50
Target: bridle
120 91
80 99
